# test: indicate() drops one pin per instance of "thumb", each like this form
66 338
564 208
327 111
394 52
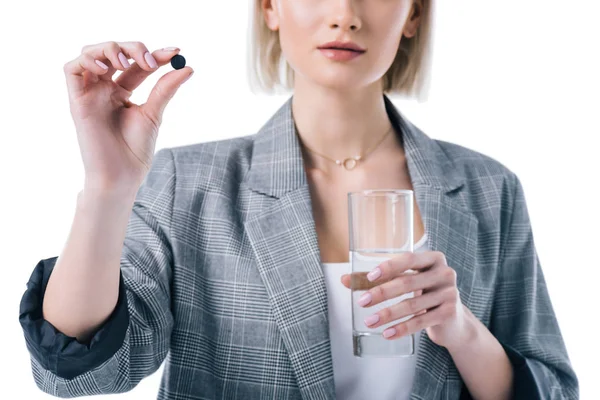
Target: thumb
346 280
163 92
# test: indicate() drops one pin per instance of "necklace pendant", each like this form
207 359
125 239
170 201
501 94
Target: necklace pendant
350 163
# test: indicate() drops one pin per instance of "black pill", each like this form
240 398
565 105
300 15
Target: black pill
178 61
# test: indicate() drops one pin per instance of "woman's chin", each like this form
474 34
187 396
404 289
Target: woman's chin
341 82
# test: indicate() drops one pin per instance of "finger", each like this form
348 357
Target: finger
79 72
398 265
135 75
419 322
106 53
106 72
90 77
409 307
109 51
401 285
359 281
163 92
346 280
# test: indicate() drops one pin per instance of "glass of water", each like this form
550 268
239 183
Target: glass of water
380 225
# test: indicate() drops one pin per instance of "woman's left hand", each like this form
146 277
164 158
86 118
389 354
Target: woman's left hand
436 305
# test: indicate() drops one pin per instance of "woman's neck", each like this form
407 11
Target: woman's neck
340 125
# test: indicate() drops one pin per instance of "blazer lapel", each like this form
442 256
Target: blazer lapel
283 236
452 229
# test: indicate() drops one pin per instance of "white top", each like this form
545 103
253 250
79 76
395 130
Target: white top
355 377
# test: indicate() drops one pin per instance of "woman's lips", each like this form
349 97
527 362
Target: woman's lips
340 54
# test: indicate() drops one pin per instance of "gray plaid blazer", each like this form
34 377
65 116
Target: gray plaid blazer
221 277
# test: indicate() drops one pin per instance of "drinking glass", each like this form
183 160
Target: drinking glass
380 228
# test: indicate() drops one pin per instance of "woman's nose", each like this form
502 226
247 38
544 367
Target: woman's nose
344 16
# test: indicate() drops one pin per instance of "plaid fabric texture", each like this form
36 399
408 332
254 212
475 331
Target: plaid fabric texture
223 281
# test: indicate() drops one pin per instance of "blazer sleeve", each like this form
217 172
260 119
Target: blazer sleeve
134 341
523 319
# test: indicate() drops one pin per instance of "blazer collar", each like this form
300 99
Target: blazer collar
281 231
277 165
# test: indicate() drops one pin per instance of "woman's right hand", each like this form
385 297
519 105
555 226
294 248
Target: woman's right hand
116 137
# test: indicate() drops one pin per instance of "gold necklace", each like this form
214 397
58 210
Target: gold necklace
351 162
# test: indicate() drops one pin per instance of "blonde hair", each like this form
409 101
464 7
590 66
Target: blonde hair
409 74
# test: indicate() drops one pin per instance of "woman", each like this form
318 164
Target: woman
222 260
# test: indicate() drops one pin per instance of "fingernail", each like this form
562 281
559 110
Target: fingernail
124 61
169 49
150 60
373 319
101 64
364 299
188 77
389 333
376 273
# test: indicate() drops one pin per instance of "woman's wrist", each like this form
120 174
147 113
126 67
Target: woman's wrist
471 333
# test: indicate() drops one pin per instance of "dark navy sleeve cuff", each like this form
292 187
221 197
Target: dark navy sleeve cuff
64 355
529 376
528 380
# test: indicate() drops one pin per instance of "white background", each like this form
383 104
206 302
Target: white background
517 81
